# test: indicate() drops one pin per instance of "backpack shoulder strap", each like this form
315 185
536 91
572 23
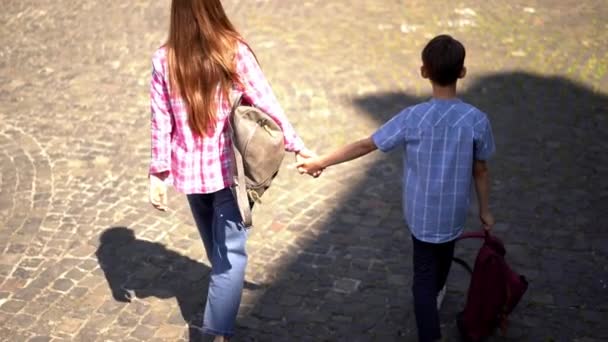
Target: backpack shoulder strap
464 264
235 102
240 190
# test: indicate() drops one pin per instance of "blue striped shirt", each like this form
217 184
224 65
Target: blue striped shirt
441 139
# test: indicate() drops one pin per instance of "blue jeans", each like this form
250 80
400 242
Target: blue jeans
224 236
431 268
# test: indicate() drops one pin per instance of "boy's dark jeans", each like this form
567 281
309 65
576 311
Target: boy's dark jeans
431 267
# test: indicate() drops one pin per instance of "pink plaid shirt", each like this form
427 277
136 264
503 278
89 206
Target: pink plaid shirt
197 164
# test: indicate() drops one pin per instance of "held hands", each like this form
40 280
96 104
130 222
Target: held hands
311 166
158 191
305 159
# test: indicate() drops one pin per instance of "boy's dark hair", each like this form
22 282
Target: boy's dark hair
443 59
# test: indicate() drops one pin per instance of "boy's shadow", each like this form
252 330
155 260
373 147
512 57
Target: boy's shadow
140 268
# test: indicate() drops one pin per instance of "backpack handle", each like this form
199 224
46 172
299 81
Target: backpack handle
481 234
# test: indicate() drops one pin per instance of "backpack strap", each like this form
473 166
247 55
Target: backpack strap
463 264
240 190
235 102
482 234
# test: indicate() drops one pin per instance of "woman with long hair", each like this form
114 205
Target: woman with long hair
203 61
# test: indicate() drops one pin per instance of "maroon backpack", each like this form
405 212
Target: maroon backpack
494 290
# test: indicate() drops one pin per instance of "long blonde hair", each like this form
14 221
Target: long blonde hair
200 53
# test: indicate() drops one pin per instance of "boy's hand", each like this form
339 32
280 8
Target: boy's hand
312 166
303 156
487 220
158 192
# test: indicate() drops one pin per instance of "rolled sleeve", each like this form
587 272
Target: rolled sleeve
258 92
484 140
161 122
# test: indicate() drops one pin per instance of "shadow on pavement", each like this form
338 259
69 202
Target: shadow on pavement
352 280
141 269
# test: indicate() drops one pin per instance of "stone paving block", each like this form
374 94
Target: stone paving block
69 326
127 320
346 285
168 332
154 318
48 297
143 333
12 306
95 325
40 339
21 321
5 317
110 307
63 285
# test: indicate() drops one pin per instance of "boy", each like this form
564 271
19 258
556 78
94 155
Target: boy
447 143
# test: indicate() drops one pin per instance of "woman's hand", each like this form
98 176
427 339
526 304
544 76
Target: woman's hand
158 191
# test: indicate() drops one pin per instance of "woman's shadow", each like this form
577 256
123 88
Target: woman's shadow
140 268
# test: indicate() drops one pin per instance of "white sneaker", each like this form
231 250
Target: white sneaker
440 297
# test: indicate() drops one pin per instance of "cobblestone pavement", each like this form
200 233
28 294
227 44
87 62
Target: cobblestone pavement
329 258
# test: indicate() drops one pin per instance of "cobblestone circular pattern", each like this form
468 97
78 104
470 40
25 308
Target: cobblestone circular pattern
26 187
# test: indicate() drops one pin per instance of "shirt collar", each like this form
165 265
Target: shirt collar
452 100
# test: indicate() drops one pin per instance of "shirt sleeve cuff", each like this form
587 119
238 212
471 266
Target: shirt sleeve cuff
296 145
377 139
158 167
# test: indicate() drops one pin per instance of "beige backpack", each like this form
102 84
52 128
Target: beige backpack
259 149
